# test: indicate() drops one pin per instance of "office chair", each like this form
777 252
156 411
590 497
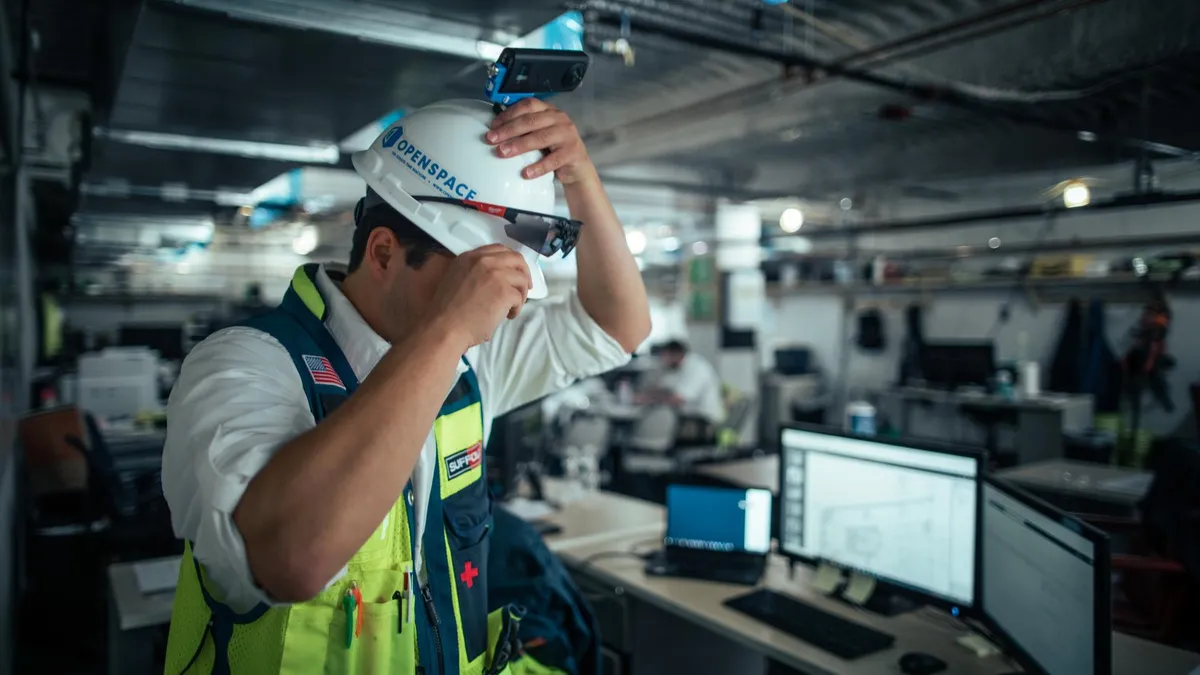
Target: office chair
1159 576
137 517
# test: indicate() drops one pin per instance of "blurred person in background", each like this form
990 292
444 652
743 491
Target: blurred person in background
687 382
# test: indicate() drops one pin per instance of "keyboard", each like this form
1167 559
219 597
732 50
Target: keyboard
846 639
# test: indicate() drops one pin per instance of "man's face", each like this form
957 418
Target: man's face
409 291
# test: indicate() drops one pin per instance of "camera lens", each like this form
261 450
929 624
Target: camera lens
574 76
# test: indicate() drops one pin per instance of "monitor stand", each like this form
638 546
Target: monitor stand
885 603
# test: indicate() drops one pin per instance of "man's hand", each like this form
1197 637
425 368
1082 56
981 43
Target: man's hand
532 124
479 290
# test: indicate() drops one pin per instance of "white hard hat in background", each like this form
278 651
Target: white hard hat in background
440 152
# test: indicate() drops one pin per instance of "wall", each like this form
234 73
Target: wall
821 320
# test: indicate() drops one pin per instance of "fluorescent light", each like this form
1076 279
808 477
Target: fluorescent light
636 239
362 21
791 220
1076 194
307 154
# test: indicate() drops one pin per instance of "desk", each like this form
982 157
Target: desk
759 472
1082 486
133 618
1039 421
598 517
684 627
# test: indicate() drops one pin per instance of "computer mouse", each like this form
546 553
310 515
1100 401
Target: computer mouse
920 663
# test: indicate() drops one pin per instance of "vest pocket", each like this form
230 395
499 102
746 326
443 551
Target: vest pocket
468 538
315 638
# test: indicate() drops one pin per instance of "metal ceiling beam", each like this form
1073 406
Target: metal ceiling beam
819 71
365 21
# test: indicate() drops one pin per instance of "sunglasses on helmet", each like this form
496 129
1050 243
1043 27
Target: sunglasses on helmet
543 233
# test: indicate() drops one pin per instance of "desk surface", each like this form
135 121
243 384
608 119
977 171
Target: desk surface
924 630
135 609
598 517
1047 401
760 472
1114 484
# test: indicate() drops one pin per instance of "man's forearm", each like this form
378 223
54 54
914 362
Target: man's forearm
610 285
324 493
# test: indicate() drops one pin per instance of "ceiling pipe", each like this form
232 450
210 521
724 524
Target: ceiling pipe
975 218
819 71
951 33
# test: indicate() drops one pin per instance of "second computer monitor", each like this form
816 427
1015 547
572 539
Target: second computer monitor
902 513
1045 590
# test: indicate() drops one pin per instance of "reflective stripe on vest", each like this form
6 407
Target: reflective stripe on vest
311 637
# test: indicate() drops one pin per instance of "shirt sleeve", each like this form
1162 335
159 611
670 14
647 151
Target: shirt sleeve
550 345
237 400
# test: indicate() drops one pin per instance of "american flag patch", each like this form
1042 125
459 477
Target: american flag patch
322 371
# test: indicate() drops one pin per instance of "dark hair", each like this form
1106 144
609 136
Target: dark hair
418 245
674 346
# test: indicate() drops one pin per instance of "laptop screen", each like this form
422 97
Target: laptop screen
718 519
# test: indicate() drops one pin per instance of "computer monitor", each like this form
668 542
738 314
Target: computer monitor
728 520
903 513
1045 591
958 363
516 443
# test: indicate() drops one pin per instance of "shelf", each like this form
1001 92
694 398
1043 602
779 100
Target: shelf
143 298
987 285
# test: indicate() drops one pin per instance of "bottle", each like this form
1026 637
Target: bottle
860 418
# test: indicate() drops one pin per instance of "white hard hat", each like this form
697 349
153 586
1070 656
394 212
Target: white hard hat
439 152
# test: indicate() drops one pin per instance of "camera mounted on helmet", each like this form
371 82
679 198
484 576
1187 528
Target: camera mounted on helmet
527 73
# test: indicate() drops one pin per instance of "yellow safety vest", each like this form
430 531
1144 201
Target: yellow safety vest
444 630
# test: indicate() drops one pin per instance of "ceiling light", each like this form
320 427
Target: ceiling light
994 243
846 203
791 220
361 21
1076 194
306 241
636 239
670 244
699 248
307 154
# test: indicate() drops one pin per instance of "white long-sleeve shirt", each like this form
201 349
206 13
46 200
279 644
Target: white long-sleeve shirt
696 382
239 398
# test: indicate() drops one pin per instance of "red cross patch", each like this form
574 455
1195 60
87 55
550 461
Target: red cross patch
468 574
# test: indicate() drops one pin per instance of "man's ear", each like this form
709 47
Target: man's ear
382 251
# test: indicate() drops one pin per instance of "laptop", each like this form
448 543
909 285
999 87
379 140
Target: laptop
716 534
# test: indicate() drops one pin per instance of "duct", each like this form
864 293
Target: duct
365 21
312 189
121 233
304 154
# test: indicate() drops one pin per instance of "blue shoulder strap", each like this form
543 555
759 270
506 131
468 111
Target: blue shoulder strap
299 325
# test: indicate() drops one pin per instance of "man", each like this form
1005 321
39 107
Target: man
330 490
685 381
